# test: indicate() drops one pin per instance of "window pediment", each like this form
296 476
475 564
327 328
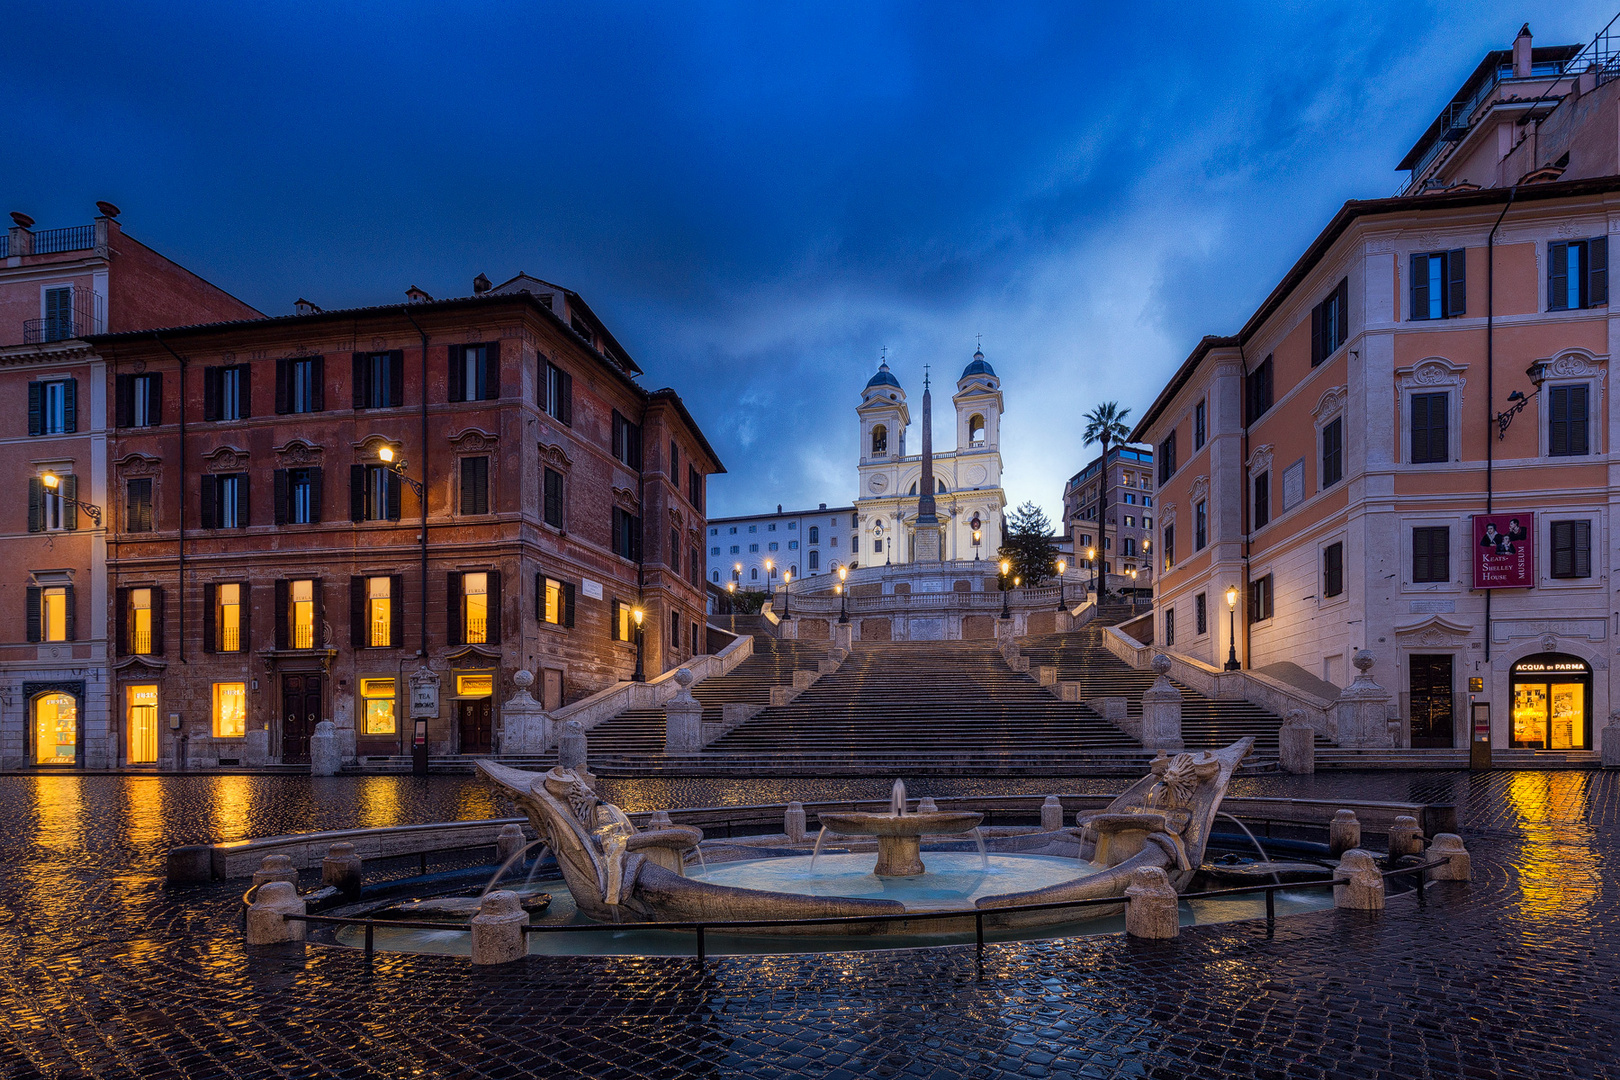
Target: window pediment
225 459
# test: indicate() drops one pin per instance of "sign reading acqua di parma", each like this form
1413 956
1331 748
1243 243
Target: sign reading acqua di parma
1504 551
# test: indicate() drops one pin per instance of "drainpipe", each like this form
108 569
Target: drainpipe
1243 471
181 595
1490 388
423 650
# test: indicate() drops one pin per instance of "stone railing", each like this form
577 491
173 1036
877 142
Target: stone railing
621 697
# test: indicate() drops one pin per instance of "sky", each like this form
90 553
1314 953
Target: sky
760 198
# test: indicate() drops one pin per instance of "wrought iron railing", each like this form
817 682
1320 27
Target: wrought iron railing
72 238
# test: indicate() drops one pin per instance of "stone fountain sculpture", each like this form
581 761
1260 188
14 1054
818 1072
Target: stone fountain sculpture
899 834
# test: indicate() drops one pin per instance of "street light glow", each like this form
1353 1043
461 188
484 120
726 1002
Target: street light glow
1231 598
386 453
51 480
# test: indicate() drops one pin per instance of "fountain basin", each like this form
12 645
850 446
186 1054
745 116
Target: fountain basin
899 835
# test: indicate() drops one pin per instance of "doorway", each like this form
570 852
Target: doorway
551 693
1552 703
143 724
300 711
1431 699
475 718
56 729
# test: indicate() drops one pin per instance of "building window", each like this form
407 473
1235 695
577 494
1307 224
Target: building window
52 511
379 696
1169 546
230 710
1439 286
1201 613
1333 569
1200 525
832 541
554 600
375 611
50 613
1262 499
1130 522
59 322
771 527
1330 323
142 623
622 621
226 393
56 729
1169 627
627 535
753 548
141 711
694 487
379 380
300 384
880 440
298 495
1578 274
1167 457
1257 392
473 603
374 493
1572 549
1128 546
1431 419
714 551
475 372
1567 426
753 528
732 530
1260 600
675 550
626 441
793 545
139 400
225 501
53 407
1198 428
773 545
557 393
735 549
475 485
976 430
225 610
1333 452
554 498
475 608
1431 554
301 614
753 574
714 532
815 560
138 505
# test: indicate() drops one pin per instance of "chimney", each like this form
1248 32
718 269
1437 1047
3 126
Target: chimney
304 307
22 236
417 296
823 506
481 285
1521 53
778 508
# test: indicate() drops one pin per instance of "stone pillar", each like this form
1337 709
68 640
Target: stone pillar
1357 884
683 718
1405 837
341 869
1296 745
1161 710
1611 743
276 868
1051 814
1362 711
267 922
1344 833
190 864
571 748
497 929
843 637
343 727
525 727
1450 846
325 756
1150 909
660 819
509 840
793 823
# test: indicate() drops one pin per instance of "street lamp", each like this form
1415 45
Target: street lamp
1061 567
978 535
1006 568
1134 597
1517 401
731 603
637 614
389 458
1091 560
787 597
843 610
397 464
1231 606
53 484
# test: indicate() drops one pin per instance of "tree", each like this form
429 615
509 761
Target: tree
1105 424
1028 545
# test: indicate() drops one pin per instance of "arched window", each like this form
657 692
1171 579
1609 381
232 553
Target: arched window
753 574
880 440
976 430
913 490
715 576
815 536
815 560
940 487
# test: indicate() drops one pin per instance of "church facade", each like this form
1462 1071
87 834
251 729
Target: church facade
897 521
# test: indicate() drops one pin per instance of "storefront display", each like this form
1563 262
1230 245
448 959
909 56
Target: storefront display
1552 703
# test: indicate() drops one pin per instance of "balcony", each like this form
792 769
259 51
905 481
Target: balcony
87 317
53 241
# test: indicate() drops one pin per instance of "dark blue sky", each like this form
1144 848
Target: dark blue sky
758 198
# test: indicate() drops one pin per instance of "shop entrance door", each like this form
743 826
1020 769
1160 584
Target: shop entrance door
300 711
476 721
1430 699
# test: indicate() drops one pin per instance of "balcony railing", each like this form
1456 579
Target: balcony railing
87 317
72 238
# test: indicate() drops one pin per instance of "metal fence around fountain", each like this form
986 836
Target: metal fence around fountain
702 927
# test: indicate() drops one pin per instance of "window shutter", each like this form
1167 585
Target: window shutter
36 408
1440 553
1578 441
70 406
1439 427
317 383
357 493
123 400
33 613
70 497
565 398
1420 288
1581 541
568 604
1317 351
617 536
316 485
245 596
157 621
357 609
393 496
36 504
496 614
458 373
283 385
396 378
361 376
154 403
121 622
320 612
211 393
1341 313
1563 545
1456 283
210 509
1558 421
396 610
1597 278
210 616
539 596
279 489
281 602
244 505
452 609
492 370
244 390
1557 277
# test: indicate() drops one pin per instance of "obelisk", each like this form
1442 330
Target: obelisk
925 546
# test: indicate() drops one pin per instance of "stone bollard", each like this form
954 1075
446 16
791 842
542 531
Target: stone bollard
1151 910
660 819
1405 838
276 868
1459 866
1611 742
509 840
1051 814
267 922
571 748
190 864
497 929
683 717
1296 745
1357 884
793 823
341 869
1161 710
926 805
1344 833
325 755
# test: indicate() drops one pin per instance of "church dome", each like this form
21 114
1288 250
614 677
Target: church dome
883 378
978 366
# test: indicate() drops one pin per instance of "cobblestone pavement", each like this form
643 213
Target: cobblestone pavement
103 973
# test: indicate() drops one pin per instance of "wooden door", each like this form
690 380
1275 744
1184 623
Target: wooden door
476 723
551 692
300 712
1431 700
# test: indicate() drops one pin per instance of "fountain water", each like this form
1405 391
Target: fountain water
500 871
1263 856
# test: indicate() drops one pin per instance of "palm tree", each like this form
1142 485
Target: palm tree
1105 424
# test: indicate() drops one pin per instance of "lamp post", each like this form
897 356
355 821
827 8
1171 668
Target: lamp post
978 535
843 595
1517 401
1061 567
637 614
1091 561
397 464
1133 588
1006 568
787 597
1231 606
731 603
53 484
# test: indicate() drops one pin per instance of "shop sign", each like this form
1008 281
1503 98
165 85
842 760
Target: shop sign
424 695
1529 666
1504 551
